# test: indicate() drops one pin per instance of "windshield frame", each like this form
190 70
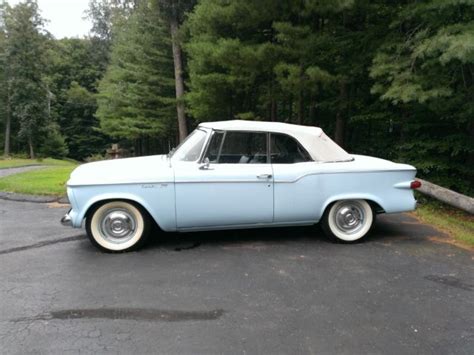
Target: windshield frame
172 154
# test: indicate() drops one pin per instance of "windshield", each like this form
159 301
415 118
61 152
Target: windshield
191 148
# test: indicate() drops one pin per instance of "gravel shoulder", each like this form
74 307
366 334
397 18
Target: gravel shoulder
11 171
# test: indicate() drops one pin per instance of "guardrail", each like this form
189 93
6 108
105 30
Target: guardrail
447 196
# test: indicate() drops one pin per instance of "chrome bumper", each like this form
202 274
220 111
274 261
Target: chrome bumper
66 220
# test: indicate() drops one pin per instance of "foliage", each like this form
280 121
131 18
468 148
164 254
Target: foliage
54 145
24 55
426 69
136 94
393 79
73 74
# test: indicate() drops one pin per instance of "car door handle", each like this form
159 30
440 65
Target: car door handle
264 176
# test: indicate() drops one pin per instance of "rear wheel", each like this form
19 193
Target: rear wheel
118 226
348 220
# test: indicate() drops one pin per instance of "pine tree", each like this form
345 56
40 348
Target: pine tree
136 95
172 12
426 70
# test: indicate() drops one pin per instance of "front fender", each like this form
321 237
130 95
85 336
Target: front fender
158 201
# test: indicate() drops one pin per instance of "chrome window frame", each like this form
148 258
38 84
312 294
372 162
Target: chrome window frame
204 153
297 142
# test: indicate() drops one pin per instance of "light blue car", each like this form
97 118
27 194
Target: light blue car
238 174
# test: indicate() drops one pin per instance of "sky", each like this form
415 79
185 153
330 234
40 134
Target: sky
65 17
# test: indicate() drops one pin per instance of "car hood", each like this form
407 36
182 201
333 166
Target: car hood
150 169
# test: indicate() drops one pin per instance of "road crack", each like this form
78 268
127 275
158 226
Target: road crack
139 314
41 244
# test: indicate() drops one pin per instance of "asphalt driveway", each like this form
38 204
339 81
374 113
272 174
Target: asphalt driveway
261 291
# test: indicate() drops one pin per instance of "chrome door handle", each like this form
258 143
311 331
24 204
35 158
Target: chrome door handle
264 176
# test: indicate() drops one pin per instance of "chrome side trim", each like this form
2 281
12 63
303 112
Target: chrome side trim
237 181
294 180
225 181
342 172
140 182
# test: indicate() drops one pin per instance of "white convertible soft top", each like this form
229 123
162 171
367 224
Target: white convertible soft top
313 139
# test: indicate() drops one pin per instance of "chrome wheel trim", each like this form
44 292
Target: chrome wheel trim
357 224
117 225
349 217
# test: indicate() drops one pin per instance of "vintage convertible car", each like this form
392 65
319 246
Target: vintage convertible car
238 174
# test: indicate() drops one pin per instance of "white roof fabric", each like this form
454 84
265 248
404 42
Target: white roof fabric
313 139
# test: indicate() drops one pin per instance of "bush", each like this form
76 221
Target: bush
54 145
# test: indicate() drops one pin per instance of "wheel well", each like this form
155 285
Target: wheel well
375 206
99 203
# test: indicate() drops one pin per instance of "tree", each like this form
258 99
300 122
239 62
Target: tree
5 115
73 76
25 48
172 11
232 56
136 95
425 69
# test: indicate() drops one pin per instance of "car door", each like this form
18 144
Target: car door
235 188
297 189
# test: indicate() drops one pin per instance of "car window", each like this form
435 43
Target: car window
287 150
191 148
239 148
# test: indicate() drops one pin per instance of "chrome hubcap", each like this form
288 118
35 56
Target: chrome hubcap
118 226
349 218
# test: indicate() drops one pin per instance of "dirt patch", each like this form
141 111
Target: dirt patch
58 205
448 239
452 241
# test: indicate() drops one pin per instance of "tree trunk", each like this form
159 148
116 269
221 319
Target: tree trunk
290 111
178 77
312 111
340 117
6 150
30 145
300 107
274 111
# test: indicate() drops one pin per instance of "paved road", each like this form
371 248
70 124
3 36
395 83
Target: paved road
268 292
10 171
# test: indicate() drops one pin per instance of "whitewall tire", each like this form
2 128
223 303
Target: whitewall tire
117 226
348 220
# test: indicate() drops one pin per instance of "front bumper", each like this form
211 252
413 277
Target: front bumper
66 220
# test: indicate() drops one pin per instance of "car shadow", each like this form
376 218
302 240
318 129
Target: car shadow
387 228
277 235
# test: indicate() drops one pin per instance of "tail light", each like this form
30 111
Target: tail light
415 184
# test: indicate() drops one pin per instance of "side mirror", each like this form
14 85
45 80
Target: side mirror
205 164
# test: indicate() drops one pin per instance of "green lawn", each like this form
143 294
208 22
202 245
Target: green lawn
458 224
49 181
17 162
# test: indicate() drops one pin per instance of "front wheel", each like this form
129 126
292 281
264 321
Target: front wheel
347 220
117 226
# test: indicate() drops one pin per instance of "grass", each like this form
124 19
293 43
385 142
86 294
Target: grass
458 224
50 181
17 162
